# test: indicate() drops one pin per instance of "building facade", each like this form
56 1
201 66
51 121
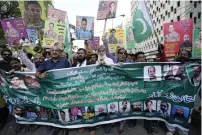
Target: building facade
164 11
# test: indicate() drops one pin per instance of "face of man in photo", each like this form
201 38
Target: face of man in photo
33 11
163 106
197 71
51 27
62 114
186 38
124 104
175 69
152 72
171 28
9 26
137 107
149 106
83 25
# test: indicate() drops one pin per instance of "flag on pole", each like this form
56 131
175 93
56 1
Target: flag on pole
142 25
67 48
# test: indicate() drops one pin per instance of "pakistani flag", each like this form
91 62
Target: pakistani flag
142 25
67 48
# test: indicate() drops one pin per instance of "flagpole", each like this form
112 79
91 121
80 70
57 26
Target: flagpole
152 23
105 24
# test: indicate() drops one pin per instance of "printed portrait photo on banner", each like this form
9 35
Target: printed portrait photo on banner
18 112
152 73
33 13
56 15
32 82
42 112
124 107
172 35
180 112
75 113
164 109
174 72
113 108
51 34
196 76
150 106
187 44
197 43
136 106
100 110
130 36
17 83
31 112
63 115
84 27
88 112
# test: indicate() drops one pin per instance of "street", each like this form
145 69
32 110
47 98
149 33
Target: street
137 130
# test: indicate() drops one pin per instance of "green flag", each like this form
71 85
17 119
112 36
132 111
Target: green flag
142 25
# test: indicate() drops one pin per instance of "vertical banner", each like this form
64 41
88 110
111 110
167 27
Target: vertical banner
178 35
67 46
33 13
107 9
95 43
84 27
56 15
197 44
32 35
14 30
54 35
130 41
116 39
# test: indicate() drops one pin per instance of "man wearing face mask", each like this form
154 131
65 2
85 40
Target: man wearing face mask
187 45
164 109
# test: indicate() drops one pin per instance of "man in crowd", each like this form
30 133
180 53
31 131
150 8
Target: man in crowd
172 36
56 62
50 33
6 54
187 45
136 107
94 58
82 33
130 58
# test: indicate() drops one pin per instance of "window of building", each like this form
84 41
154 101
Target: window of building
157 8
178 18
195 4
175 10
161 4
161 27
195 19
161 39
199 15
166 12
169 14
164 18
171 21
171 8
191 1
168 1
159 20
190 14
161 16
178 4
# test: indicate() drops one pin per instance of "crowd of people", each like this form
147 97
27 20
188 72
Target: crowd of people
54 58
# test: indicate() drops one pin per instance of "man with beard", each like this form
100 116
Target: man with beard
124 108
174 74
196 78
179 114
94 58
183 56
164 109
81 58
136 107
187 45
6 54
56 62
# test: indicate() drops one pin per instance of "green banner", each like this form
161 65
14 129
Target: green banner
94 95
197 43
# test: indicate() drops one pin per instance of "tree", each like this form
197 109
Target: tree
72 36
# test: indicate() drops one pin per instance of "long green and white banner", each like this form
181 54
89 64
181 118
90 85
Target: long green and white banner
93 95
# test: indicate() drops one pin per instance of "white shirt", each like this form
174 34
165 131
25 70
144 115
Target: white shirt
83 64
107 60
